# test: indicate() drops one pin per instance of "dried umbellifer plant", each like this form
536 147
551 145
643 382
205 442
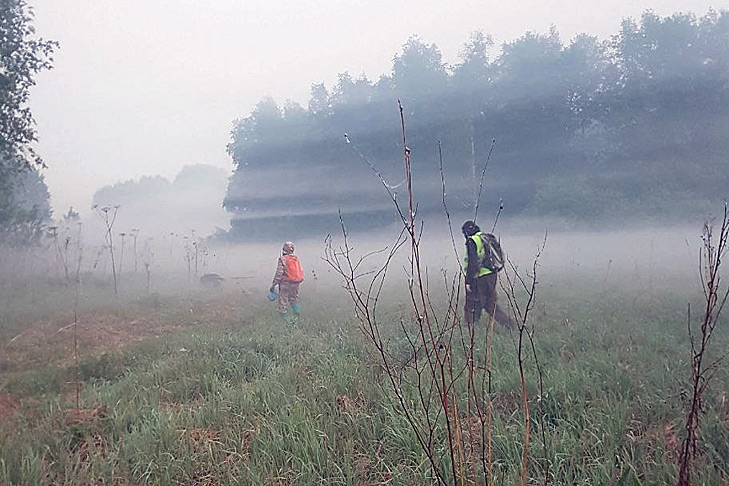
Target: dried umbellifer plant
700 334
108 216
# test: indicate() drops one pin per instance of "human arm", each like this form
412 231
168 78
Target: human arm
472 257
278 277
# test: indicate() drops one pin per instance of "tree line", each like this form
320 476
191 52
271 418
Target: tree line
636 124
24 197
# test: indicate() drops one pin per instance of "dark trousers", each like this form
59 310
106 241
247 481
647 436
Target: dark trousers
482 296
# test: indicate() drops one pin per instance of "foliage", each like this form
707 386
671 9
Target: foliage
24 198
24 207
642 113
419 71
21 57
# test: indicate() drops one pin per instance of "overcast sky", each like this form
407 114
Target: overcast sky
144 87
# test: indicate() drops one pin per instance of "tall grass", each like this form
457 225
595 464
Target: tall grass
259 402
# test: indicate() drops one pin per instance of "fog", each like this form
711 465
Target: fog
637 264
158 156
144 88
155 207
621 131
197 141
651 259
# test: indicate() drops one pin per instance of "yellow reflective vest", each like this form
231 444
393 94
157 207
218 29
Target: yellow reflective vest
480 253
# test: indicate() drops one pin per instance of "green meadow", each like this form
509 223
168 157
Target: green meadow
212 387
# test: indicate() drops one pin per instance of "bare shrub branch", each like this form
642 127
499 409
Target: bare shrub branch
515 284
438 382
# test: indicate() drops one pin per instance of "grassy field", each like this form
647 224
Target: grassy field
211 387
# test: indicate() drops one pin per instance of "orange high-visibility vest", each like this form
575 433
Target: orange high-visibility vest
294 273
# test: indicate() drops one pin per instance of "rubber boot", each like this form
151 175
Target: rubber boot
296 308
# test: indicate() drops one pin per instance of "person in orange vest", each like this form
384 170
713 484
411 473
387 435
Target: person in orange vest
482 264
289 276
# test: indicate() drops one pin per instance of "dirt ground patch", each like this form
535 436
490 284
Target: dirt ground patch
8 405
51 340
75 416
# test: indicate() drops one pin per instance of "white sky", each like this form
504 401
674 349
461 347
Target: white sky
144 87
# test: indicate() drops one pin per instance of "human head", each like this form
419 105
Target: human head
288 248
470 228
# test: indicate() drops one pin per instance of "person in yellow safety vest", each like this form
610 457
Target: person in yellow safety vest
480 279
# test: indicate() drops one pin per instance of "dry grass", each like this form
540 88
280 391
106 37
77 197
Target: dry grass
226 395
9 404
49 340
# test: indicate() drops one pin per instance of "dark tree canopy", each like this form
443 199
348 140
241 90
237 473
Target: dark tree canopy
474 72
24 205
22 56
24 208
419 70
634 125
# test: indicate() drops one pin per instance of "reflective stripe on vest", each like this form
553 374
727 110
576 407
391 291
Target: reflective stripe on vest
480 253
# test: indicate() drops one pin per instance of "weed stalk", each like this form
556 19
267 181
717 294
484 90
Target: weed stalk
108 216
701 373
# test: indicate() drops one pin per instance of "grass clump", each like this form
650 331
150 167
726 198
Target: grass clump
257 401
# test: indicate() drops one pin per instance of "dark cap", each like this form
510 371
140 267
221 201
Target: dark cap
470 228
